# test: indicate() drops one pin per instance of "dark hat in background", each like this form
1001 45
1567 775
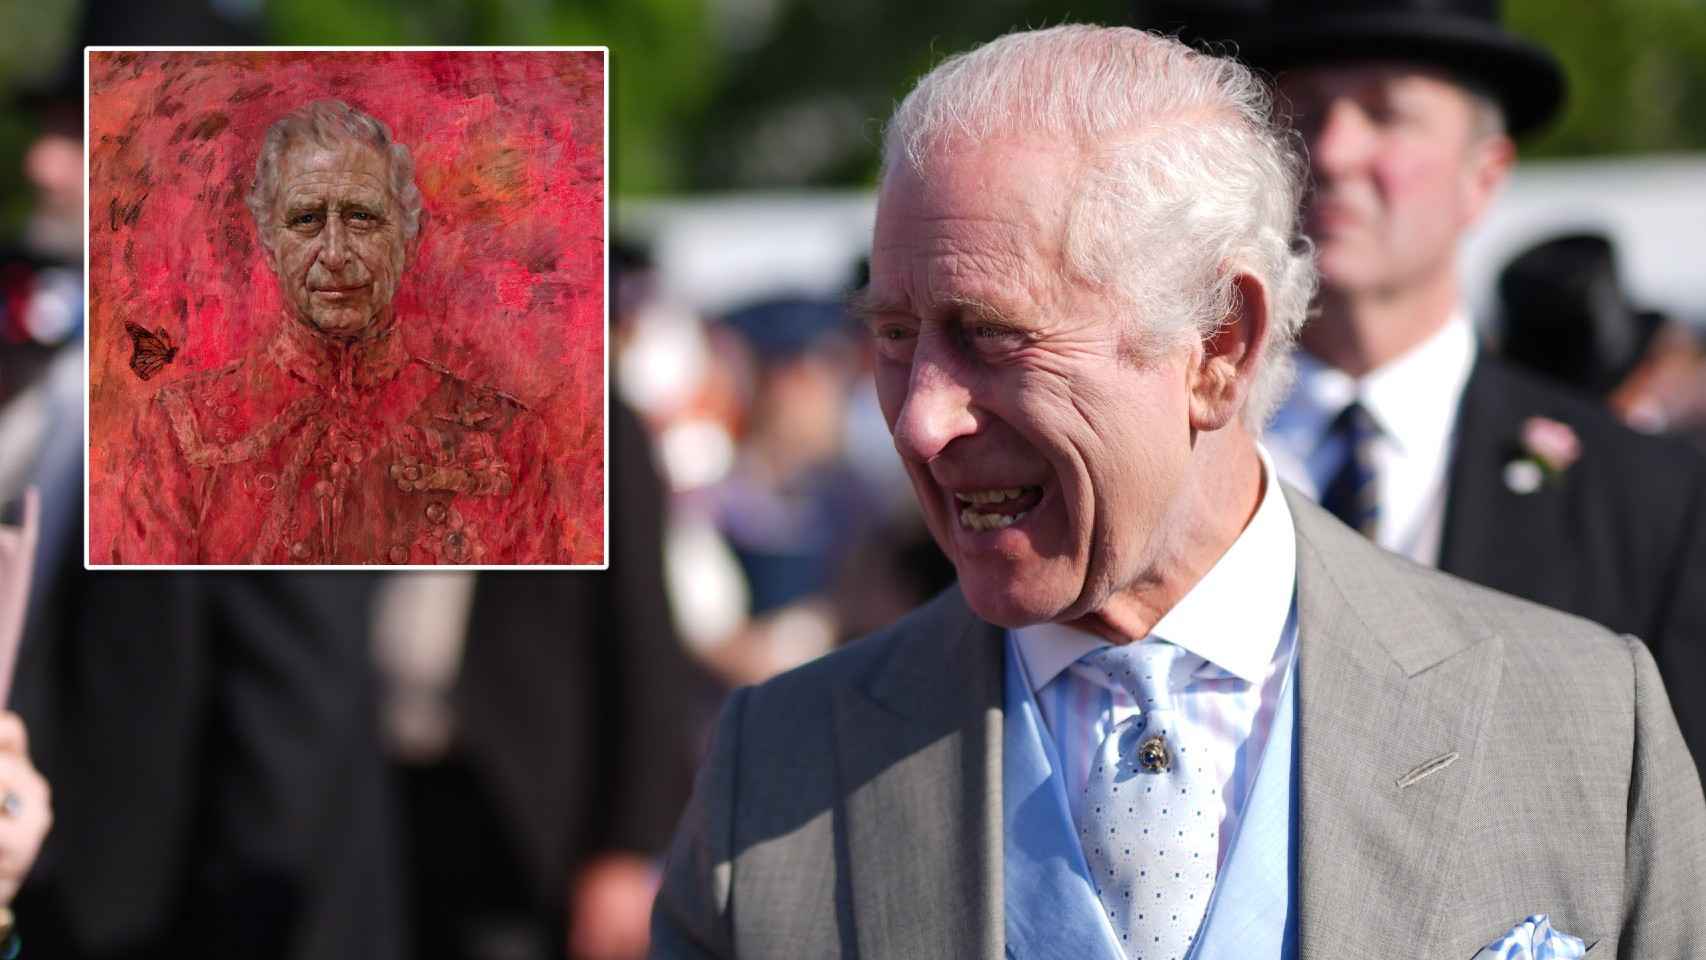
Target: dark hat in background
1463 37
1208 25
785 328
1566 315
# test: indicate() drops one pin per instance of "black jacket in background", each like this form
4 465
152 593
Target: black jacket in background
1619 537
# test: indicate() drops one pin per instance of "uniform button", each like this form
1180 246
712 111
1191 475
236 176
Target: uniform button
399 554
299 550
436 512
323 489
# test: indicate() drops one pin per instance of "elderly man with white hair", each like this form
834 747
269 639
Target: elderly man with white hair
1171 709
330 443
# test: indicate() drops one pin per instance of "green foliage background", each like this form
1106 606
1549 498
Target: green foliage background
742 94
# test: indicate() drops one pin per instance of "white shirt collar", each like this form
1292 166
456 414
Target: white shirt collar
1413 398
1233 617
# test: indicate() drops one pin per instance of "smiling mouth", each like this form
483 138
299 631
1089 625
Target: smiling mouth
996 509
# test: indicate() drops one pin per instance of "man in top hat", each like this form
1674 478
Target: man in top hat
1400 422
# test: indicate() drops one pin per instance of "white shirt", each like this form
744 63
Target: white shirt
1413 401
1236 620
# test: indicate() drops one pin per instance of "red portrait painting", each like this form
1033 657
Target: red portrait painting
346 307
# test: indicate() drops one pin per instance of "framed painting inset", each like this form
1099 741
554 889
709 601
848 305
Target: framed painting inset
347 307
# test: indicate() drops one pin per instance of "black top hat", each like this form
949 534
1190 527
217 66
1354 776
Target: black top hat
1566 314
1461 36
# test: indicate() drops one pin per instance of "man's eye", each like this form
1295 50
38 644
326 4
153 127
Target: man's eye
362 215
989 334
305 219
894 341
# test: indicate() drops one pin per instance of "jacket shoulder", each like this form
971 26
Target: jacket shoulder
1408 592
811 687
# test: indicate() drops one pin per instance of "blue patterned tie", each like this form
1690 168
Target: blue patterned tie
1353 494
1147 840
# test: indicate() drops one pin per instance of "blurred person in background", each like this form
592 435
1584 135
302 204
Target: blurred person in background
689 387
210 738
544 727
1566 316
26 813
1400 423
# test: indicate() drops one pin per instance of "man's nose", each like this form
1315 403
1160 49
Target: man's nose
1341 139
334 245
937 409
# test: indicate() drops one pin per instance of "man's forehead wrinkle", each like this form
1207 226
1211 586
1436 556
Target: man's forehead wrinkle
317 187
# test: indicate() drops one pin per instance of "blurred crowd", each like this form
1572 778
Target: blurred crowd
488 765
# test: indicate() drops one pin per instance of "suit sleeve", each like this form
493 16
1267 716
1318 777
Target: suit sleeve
1665 862
692 918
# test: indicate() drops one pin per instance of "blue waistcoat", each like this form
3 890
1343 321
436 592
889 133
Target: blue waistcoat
1051 907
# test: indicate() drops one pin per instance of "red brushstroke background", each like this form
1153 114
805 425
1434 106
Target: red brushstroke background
508 286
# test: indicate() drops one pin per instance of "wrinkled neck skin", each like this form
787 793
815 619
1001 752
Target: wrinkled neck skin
1358 333
1220 493
381 326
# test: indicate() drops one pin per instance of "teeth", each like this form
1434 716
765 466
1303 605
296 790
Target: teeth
988 521
992 496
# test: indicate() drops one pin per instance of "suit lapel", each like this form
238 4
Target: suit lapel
1393 695
919 756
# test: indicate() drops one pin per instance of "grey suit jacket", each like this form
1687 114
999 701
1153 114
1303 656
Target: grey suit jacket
1464 760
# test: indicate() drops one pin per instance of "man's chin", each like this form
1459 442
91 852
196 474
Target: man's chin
343 324
1011 602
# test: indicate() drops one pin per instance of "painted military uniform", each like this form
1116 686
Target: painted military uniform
316 451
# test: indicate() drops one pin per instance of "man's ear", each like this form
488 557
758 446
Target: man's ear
1220 382
412 246
1489 163
267 255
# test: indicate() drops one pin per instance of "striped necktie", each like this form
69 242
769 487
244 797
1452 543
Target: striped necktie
1353 493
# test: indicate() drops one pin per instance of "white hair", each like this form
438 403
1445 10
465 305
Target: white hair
1189 179
329 123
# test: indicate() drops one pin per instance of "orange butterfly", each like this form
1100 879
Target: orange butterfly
149 351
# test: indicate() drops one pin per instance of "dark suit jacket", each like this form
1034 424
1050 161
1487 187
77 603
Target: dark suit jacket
209 742
1619 537
578 707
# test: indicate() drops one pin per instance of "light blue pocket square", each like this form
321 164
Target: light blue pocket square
1534 939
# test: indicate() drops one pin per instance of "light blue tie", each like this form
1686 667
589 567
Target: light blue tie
1148 840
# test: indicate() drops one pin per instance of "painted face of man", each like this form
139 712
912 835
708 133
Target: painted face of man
1046 456
1400 171
336 240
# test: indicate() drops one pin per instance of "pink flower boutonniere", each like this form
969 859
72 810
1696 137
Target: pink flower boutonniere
1548 449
